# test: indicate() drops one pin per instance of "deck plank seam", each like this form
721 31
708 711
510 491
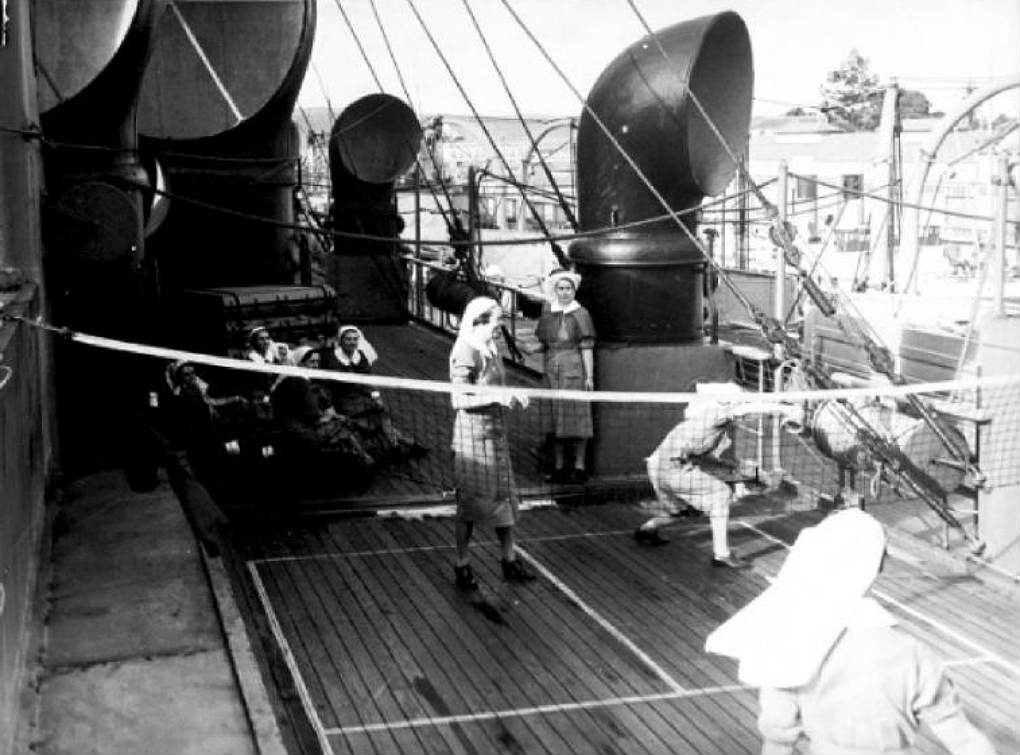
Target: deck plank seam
535 710
290 661
935 624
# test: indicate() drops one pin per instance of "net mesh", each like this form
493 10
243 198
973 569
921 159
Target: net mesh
289 439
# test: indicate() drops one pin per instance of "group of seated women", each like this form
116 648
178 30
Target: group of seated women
346 421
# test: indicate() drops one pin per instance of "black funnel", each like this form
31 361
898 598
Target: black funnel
645 285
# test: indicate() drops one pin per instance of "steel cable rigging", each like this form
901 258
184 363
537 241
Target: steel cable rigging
557 251
893 461
450 218
520 117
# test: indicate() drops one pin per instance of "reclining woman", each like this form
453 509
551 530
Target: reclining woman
304 413
354 354
193 413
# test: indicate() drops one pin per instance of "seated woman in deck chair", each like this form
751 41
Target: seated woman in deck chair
193 414
310 425
354 354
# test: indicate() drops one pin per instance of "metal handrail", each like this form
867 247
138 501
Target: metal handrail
419 273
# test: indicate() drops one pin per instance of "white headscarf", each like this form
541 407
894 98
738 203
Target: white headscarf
364 348
467 331
298 354
782 637
550 290
176 383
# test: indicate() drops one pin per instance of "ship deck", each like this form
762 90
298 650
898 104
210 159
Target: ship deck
602 653
373 650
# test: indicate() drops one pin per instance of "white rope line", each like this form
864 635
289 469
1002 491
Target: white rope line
205 61
290 661
533 710
428 548
601 621
933 623
506 393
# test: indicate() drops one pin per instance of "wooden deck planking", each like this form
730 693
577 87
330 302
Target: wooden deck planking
381 630
714 732
465 686
563 631
449 638
963 604
670 616
547 652
562 677
476 637
562 637
334 647
307 656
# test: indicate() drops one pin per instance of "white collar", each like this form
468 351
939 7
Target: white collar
347 361
565 308
486 347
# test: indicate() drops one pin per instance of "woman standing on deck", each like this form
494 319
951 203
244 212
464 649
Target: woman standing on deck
567 337
486 491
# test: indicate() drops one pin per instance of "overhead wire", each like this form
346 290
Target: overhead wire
520 117
389 49
753 309
878 352
557 251
454 227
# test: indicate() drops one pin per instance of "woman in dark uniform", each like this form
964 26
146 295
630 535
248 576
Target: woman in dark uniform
486 492
567 337
354 354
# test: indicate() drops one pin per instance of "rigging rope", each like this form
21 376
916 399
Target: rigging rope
393 239
220 86
454 226
860 194
520 117
389 49
561 257
751 308
879 355
361 48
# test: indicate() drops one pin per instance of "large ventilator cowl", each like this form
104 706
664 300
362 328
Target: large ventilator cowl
375 139
645 284
373 143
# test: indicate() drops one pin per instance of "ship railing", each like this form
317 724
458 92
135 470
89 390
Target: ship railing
521 328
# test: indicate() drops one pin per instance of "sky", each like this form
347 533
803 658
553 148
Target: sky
934 46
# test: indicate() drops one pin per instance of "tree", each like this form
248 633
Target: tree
914 104
852 96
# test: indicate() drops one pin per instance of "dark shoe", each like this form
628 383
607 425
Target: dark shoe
578 476
732 561
689 513
557 476
515 571
465 578
649 537
417 451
